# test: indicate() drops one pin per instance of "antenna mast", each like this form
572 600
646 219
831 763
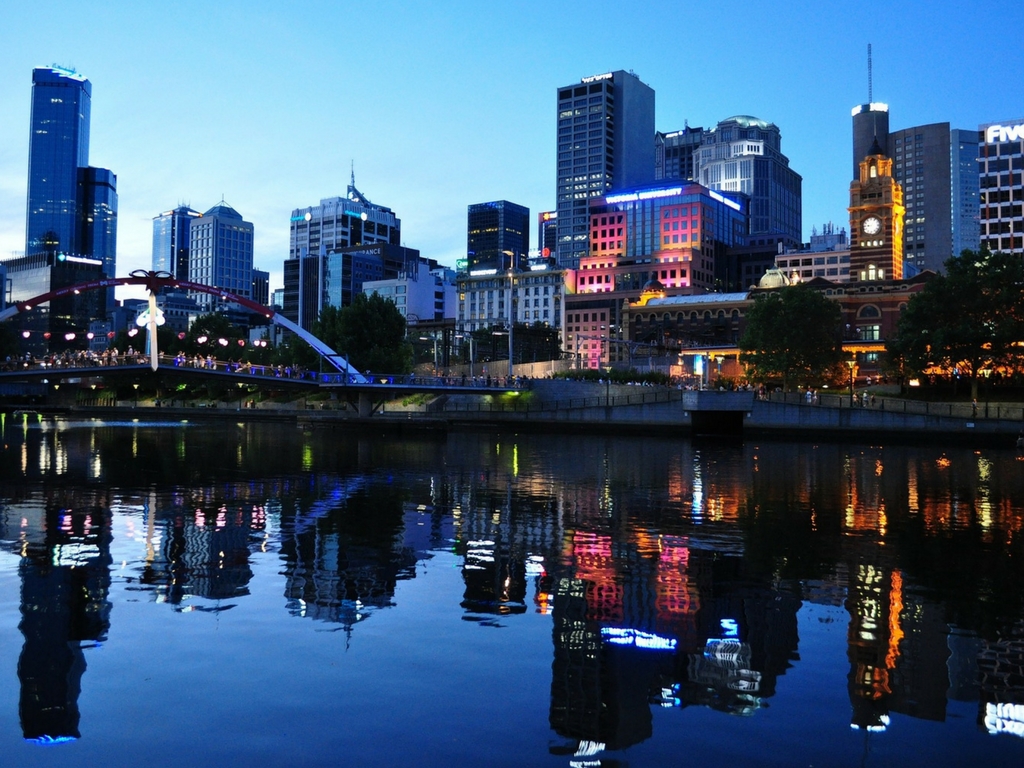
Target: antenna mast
870 90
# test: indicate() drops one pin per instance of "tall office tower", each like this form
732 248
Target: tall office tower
97 223
605 125
937 169
498 236
171 230
876 220
870 125
220 253
674 153
965 191
340 222
1002 185
547 233
743 154
314 276
260 287
71 216
58 147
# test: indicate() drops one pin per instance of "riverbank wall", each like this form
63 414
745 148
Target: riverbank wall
559 406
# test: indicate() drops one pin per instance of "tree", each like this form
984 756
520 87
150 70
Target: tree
370 333
969 319
792 332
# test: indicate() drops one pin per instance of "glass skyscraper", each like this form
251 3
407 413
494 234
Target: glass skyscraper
498 236
171 241
220 253
605 143
58 147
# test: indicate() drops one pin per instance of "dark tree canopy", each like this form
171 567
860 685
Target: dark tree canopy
370 333
791 333
970 318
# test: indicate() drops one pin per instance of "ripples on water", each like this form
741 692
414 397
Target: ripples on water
234 591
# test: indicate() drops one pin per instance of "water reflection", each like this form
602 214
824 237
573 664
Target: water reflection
65 580
673 573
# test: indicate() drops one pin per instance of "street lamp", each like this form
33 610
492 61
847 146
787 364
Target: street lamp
852 365
511 314
136 386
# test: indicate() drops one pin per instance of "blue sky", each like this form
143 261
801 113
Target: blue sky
441 105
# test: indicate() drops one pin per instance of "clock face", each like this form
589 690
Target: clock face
872 225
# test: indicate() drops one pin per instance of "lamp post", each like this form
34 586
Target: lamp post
136 403
852 364
511 316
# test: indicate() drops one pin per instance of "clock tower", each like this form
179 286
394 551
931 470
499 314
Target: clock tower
876 220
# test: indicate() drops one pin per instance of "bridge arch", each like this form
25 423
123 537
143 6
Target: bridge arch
155 281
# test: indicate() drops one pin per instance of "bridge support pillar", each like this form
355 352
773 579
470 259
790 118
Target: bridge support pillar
365 405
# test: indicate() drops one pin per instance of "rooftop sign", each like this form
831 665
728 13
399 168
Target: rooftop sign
646 194
995 134
595 78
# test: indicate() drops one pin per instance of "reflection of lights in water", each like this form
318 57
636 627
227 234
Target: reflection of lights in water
515 460
942 462
589 748
984 493
637 638
878 467
730 628
535 565
883 723
44 741
1005 718
307 456
697 507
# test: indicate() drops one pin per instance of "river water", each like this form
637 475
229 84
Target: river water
221 594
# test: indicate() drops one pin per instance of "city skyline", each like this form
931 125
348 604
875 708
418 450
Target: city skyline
423 112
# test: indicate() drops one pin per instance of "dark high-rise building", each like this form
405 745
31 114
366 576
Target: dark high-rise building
498 236
332 280
171 241
58 147
937 168
870 125
71 216
605 127
674 154
744 154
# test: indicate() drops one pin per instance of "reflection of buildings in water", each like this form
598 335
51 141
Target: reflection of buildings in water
347 561
652 621
64 604
896 646
202 551
1001 680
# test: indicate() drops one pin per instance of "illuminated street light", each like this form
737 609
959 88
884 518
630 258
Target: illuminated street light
852 364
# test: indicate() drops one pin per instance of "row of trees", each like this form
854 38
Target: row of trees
968 320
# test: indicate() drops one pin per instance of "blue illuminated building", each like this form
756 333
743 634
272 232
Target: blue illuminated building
58 147
71 212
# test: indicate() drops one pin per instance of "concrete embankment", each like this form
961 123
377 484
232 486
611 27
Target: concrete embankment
558 406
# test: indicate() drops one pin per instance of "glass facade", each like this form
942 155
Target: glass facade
605 142
171 233
498 235
58 147
221 253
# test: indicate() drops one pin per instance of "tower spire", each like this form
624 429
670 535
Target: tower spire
870 89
